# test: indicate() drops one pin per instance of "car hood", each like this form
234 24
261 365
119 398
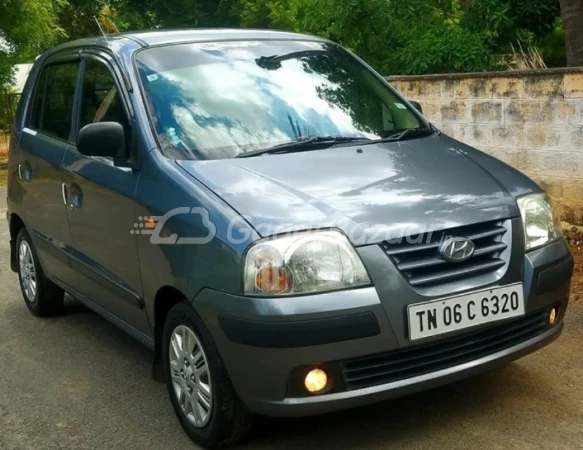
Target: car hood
373 193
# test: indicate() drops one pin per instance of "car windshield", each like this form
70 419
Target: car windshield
219 100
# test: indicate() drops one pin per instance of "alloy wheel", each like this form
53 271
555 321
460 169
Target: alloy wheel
190 374
27 271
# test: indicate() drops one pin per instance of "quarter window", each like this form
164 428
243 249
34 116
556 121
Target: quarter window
36 117
53 103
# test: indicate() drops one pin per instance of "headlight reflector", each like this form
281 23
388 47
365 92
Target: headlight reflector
540 220
304 263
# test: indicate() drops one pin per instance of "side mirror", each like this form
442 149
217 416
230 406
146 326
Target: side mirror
417 106
102 139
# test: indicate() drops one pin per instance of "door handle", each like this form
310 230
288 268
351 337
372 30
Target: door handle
25 172
64 192
76 196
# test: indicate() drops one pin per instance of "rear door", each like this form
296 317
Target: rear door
101 212
44 141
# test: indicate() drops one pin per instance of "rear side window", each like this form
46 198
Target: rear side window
101 101
54 97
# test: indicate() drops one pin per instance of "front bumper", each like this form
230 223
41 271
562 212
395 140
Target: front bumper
263 342
290 407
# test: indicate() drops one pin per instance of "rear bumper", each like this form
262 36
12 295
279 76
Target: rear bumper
264 343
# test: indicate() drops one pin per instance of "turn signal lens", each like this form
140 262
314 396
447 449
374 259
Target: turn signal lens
316 380
274 280
150 223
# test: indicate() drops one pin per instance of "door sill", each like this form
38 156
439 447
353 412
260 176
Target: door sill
115 320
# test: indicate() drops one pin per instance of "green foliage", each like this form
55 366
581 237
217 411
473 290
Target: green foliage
552 45
436 42
537 16
445 49
412 36
490 19
408 36
187 13
394 36
125 15
504 22
27 27
77 17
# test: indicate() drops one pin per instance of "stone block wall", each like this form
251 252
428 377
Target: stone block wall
531 120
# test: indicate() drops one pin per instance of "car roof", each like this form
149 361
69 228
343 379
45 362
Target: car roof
160 37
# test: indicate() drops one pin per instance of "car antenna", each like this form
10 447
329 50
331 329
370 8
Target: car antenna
100 29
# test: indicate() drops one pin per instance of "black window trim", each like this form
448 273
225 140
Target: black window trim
53 60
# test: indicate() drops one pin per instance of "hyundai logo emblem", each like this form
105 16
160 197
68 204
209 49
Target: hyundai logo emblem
457 249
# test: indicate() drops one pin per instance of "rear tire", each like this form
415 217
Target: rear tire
42 297
215 417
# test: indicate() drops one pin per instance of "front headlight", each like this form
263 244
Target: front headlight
304 263
540 220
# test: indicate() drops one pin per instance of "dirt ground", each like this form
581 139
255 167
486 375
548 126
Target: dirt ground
577 283
574 236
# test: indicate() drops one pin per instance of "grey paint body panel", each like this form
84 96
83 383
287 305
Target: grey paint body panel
386 191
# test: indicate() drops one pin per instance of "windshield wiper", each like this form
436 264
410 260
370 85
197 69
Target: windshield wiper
304 144
406 134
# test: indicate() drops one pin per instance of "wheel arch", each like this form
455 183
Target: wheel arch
165 299
15 225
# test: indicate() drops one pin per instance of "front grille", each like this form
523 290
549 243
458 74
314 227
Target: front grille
422 359
418 259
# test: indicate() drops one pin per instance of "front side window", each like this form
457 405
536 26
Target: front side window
101 100
52 110
219 100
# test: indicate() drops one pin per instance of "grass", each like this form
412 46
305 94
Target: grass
3 173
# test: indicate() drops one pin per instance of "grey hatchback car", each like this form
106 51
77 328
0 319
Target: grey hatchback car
267 214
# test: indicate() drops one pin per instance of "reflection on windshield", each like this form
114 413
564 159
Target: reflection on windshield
217 100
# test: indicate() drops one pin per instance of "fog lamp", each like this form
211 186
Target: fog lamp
553 315
316 380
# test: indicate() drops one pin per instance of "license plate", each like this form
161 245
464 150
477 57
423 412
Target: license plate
464 311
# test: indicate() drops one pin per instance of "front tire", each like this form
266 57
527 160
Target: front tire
198 384
42 297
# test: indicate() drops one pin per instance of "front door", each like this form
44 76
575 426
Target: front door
101 210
